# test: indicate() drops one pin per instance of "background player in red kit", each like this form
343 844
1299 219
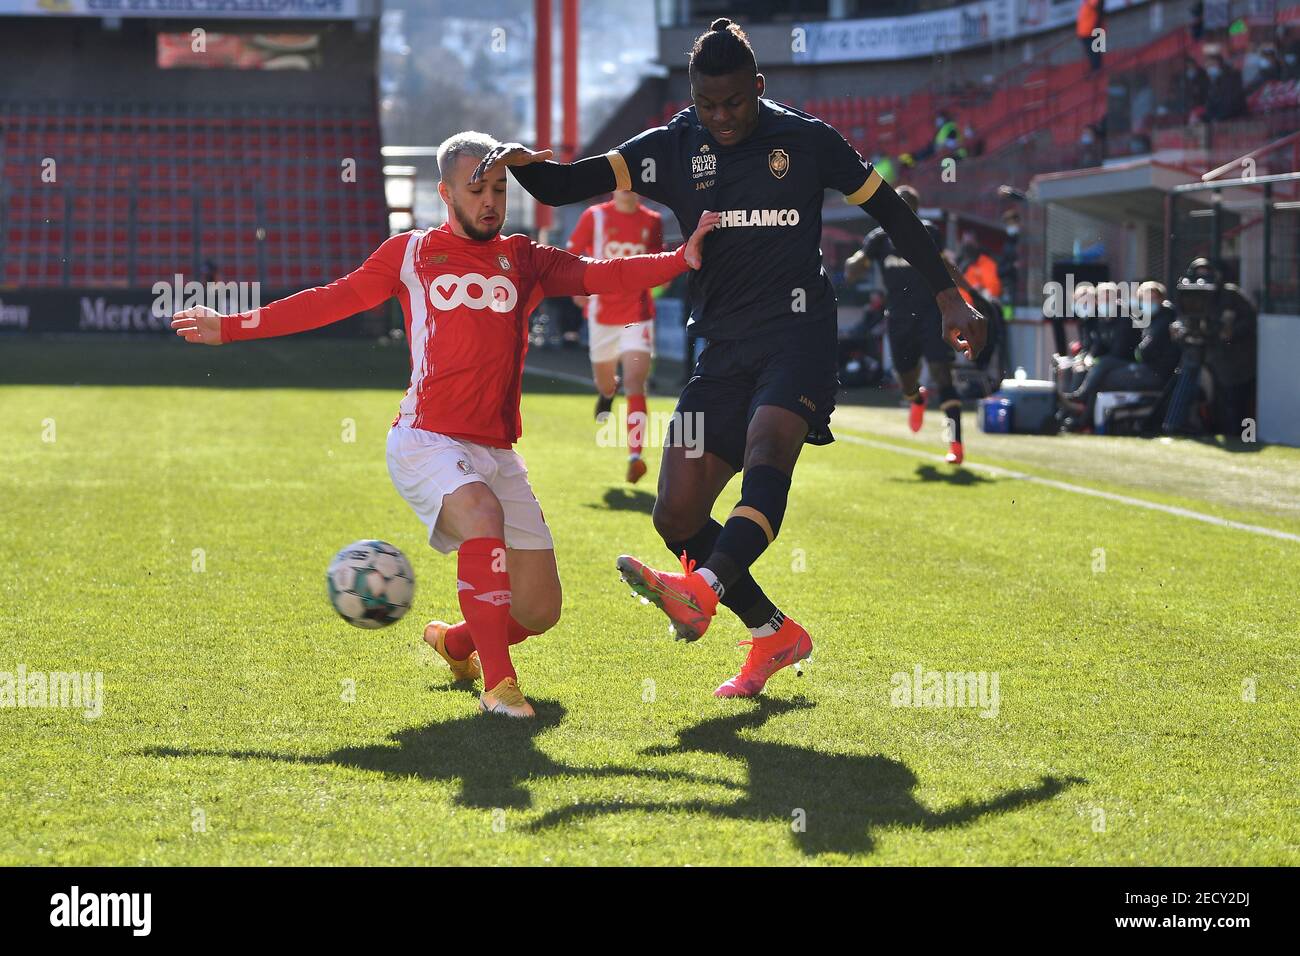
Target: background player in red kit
466 292
620 327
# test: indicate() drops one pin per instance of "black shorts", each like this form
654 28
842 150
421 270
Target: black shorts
796 368
914 335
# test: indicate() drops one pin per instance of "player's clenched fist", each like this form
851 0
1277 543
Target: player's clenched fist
694 254
200 325
511 154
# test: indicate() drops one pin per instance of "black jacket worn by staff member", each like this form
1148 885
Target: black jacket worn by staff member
762 299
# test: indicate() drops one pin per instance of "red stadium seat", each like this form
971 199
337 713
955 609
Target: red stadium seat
133 173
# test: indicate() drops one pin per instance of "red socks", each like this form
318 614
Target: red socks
483 588
460 644
636 423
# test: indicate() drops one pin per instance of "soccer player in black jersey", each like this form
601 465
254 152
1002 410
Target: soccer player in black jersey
914 326
765 384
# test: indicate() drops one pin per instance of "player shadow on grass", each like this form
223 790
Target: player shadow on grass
844 798
950 476
627 499
492 756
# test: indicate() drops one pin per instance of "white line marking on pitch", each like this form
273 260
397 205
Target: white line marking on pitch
1077 489
1018 475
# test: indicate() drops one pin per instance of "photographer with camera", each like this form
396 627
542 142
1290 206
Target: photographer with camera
1215 331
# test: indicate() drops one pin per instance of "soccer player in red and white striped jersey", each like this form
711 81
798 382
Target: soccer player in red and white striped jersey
620 328
466 293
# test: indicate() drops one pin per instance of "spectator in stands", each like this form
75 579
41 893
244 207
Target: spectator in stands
1195 88
1224 99
886 167
1197 23
946 142
1268 67
1091 16
1139 143
1092 142
978 268
1291 54
1009 259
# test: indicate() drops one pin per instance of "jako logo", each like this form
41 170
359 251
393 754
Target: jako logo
759 217
621 250
496 293
103 909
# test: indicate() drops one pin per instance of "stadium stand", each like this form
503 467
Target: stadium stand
137 173
148 190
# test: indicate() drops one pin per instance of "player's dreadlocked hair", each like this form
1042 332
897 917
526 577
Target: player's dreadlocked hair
724 49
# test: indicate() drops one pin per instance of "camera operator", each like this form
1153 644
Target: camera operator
1216 331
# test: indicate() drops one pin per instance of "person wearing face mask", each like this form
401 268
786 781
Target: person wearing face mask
1156 350
1113 339
1268 67
1291 55
946 142
1224 98
1092 142
1195 87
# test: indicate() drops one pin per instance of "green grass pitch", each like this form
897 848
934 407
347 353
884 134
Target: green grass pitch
167 522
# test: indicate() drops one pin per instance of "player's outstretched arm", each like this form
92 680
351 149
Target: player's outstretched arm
562 273
633 273
375 281
963 327
555 184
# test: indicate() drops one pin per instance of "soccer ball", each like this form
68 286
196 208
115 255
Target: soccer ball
370 584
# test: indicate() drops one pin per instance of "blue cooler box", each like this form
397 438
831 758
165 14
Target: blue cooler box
995 415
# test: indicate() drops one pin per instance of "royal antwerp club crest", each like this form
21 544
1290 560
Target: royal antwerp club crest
779 162
504 263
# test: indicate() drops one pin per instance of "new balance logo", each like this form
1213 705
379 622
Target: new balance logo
494 597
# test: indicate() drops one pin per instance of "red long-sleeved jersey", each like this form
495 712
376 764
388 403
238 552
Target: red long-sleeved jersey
466 305
604 232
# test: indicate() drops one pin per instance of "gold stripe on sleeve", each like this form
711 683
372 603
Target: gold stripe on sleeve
621 178
866 191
